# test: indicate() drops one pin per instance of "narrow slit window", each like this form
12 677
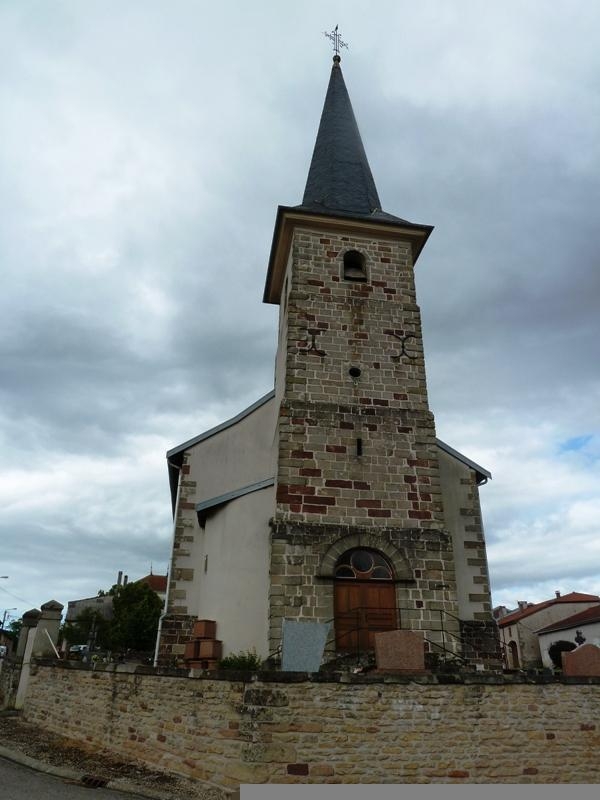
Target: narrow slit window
355 266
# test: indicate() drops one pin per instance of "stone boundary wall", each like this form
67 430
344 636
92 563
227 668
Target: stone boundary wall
9 681
291 728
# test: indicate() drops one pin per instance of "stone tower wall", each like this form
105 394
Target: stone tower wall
359 450
357 454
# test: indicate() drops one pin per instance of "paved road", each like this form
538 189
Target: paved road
21 783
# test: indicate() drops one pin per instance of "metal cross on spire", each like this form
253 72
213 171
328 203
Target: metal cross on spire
336 39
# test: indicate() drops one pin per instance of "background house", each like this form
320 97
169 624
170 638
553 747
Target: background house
158 584
103 603
582 626
519 629
6 642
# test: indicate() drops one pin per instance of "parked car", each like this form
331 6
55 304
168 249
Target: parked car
78 650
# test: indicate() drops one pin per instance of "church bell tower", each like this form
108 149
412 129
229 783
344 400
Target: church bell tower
359 535
330 499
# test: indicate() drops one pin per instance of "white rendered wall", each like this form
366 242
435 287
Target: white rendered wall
228 460
236 456
234 549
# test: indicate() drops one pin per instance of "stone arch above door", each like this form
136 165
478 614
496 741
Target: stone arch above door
365 540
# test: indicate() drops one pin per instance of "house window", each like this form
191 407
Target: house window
355 266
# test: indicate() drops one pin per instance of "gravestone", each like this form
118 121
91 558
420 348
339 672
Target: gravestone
400 651
303 645
584 661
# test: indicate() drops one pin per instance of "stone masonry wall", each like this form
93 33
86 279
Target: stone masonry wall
9 681
356 448
392 477
364 730
176 626
479 632
354 321
474 544
357 452
302 584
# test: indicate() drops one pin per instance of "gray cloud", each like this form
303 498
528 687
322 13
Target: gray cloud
143 156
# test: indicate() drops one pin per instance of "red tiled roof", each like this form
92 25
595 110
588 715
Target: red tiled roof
572 597
156 582
581 618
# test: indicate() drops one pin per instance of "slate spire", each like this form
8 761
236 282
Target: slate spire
339 178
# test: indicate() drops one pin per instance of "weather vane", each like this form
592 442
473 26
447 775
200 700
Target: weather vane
336 39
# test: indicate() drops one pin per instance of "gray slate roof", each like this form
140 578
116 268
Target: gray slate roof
339 178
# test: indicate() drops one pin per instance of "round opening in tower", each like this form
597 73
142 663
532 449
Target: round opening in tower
355 267
354 372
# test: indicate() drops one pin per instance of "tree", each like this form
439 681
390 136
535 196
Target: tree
14 629
88 625
136 610
556 650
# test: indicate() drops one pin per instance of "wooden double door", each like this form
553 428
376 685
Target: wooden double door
363 608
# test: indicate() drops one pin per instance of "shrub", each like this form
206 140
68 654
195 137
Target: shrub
556 650
247 660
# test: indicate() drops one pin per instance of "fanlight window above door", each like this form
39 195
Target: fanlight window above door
363 564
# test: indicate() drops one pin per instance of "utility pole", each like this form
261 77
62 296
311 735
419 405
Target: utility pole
6 610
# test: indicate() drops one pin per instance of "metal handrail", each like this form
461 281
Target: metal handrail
444 648
448 653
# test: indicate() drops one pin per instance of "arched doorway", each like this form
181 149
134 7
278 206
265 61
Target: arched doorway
513 655
364 599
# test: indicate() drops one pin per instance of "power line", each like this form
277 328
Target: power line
16 596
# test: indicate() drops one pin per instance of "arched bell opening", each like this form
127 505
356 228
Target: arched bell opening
355 266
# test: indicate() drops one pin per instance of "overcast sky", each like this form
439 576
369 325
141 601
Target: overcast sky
144 148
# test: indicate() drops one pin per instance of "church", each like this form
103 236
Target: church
330 498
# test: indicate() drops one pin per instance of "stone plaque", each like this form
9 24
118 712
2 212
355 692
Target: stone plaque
400 651
584 661
303 645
